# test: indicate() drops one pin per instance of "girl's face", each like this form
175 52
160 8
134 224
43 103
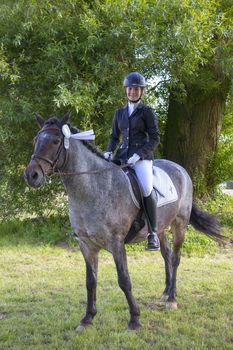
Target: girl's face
134 93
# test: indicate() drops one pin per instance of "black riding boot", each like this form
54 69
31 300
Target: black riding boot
151 211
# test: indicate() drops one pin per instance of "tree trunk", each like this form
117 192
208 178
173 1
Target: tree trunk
192 132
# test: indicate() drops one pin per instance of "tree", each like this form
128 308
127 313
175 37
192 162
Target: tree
58 56
221 165
197 69
73 54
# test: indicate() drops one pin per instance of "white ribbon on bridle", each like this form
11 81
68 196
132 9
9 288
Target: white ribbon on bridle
84 135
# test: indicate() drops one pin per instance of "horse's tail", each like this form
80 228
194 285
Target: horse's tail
208 224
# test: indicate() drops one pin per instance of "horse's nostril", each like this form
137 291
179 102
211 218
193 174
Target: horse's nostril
34 175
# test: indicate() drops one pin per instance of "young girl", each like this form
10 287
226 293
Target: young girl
137 124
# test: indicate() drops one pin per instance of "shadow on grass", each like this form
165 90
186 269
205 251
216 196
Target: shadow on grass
156 305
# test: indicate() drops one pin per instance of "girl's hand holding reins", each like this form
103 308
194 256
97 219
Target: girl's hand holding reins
133 160
108 155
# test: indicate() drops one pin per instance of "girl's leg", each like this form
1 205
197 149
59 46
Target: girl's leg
144 172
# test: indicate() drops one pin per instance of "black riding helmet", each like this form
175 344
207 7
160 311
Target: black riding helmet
134 79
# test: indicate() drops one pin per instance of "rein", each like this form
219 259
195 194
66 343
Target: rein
119 167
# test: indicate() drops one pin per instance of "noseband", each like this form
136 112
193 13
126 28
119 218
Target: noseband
52 163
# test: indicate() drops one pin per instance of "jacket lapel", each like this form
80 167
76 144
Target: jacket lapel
126 111
125 116
140 106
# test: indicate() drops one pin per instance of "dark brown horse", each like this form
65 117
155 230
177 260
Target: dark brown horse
102 211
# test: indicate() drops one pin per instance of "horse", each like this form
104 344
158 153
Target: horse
101 209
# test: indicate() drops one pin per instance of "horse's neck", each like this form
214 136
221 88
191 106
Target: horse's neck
91 196
82 159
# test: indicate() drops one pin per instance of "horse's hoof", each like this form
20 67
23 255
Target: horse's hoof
164 297
80 329
171 305
133 326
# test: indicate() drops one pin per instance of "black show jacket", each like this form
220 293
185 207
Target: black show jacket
139 133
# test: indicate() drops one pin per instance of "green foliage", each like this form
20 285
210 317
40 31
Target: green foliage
38 231
198 244
72 55
199 183
179 40
55 228
55 57
196 65
221 205
195 244
221 166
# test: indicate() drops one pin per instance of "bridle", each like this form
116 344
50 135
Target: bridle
52 163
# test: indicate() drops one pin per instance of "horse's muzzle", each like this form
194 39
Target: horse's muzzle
34 175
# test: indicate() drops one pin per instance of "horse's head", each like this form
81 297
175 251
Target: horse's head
49 151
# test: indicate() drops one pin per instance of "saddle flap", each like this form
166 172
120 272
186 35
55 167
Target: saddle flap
162 183
134 186
165 189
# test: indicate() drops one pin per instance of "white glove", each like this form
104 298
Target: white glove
108 155
133 160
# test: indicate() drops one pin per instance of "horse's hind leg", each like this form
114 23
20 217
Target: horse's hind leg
166 253
178 229
91 260
124 282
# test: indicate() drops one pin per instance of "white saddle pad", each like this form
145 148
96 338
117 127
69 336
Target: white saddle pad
166 191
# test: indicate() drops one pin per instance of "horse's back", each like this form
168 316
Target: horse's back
181 181
175 171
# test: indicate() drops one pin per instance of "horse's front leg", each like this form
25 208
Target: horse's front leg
124 282
91 260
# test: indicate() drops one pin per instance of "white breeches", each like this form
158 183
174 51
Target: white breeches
144 172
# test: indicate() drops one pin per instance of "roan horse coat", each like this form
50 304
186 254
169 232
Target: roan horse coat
101 210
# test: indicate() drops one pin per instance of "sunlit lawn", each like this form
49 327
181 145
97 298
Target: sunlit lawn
43 297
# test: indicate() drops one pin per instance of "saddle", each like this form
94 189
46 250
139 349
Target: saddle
165 192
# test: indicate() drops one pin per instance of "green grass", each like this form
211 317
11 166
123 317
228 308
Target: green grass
36 231
43 293
43 298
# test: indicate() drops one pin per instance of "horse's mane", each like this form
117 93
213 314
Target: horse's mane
53 120
93 149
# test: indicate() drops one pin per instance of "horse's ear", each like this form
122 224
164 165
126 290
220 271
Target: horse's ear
65 118
39 120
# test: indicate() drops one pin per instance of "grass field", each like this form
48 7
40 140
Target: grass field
43 297
43 293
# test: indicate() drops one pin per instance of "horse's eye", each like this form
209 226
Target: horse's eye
56 142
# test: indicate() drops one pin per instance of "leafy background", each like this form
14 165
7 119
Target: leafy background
72 55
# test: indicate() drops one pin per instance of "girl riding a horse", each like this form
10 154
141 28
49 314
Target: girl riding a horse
138 126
